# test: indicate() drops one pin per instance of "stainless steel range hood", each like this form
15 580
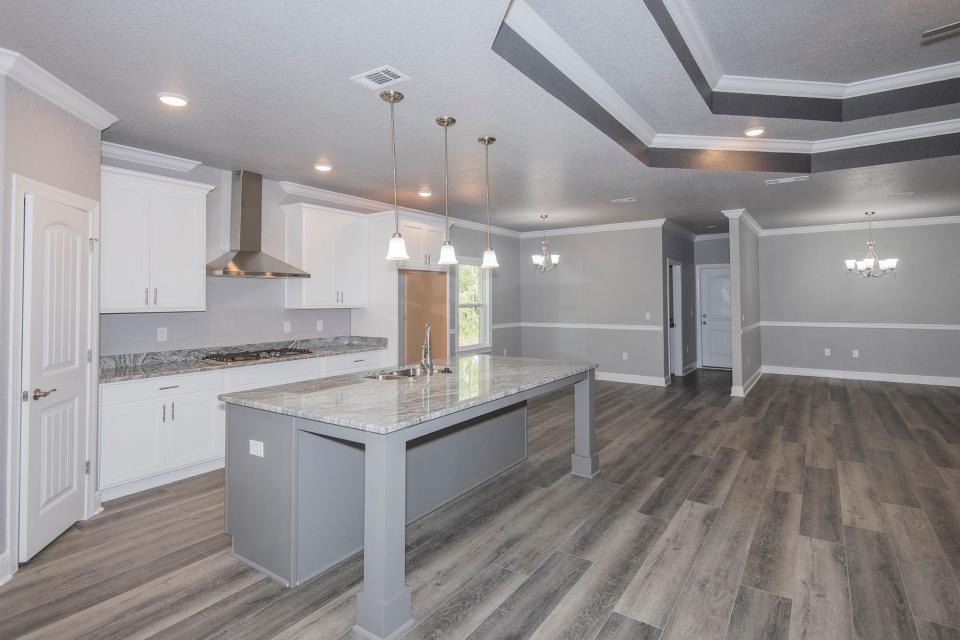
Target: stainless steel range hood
245 259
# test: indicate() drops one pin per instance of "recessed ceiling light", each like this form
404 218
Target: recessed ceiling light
424 193
323 167
711 226
753 132
173 99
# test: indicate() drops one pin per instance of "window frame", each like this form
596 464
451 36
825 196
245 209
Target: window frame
485 306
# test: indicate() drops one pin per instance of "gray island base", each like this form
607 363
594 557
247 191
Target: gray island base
318 470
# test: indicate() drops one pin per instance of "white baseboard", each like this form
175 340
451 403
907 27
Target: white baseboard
136 486
741 392
6 568
687 368
630 378
864 375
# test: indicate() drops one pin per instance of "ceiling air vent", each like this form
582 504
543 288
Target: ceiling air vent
380 78
773 181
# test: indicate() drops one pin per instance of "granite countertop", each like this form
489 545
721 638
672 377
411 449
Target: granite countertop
152 364
385 406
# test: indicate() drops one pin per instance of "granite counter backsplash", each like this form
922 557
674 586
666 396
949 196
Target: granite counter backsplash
151 364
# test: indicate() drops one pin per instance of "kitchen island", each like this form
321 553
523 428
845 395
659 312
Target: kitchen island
318 470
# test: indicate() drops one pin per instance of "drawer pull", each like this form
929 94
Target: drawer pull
173 386
361 360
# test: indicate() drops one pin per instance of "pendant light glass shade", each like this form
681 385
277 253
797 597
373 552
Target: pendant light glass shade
397 249
448 255
872 266
489 256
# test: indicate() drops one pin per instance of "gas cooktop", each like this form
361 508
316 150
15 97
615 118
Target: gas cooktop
245 356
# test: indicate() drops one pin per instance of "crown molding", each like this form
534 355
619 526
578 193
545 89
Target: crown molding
597 228
316 193
742 214
539 35
711 236
861 226
683 232
106 171
911 132
689 28
40 81
149 158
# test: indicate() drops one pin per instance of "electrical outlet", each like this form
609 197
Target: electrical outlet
319 325
856 353
161 334
826 351
256 448
748 358
687 350
647 316
504 352
286 326
626 356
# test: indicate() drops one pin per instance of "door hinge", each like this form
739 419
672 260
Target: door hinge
92 241
86 468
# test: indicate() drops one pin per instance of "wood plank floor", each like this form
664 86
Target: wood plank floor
811 510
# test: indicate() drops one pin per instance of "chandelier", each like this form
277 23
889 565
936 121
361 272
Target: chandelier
872 266
545 261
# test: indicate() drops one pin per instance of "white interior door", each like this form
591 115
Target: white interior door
716 346
675 322
56 337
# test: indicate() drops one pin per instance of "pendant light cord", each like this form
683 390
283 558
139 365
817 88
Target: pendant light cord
486 153
446 189
393 148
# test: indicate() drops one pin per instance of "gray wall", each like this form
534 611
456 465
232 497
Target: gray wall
47 144
712 251
926 290
238 311
505 284
679 246
604 278
745 300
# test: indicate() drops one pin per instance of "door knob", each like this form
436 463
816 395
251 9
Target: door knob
704 322
37 393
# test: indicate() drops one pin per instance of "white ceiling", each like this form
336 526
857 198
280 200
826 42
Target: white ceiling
269 91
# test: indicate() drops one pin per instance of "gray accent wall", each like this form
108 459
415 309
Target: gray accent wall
745 300
925 290
610 277
238 310
678 245
712 250
42 142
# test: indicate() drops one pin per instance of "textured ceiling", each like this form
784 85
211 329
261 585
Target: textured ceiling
826 40
269 91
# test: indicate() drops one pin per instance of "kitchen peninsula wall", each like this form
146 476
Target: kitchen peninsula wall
238 310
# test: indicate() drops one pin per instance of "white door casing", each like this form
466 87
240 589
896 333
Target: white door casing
716 349
56 377
675 317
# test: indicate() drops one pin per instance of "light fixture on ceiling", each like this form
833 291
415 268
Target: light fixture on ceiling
173 99
711 226
323 167
448 254
397 250
489 256
872 266
753 132
545 261
424 193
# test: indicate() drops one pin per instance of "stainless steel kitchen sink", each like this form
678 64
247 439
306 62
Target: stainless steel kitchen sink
407 373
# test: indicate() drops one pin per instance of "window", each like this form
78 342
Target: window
473 306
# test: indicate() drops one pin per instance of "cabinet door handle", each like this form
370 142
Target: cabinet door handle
172 386
163 417
173 410
146 297
154 295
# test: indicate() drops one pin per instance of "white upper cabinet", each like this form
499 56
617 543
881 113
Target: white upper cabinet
331 246
152 243
423 241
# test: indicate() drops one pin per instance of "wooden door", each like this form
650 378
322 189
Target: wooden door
716 349
425 300
56 338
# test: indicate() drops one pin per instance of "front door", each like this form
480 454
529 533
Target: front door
55 375
716 346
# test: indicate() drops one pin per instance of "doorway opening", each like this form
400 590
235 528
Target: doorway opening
675 316
714 334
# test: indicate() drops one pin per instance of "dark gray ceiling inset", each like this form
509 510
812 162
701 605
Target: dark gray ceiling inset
526 59
922 96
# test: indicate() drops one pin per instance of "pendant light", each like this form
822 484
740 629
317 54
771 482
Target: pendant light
397 250
448 254
873 266
545 261
489 256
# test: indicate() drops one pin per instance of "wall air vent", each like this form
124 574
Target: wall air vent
621 200
773 181
380 78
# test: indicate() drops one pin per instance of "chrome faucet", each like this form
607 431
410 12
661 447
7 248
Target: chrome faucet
426 359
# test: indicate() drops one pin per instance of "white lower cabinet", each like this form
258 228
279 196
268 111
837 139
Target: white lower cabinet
158 430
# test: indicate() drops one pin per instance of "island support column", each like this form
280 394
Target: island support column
585 459
383 606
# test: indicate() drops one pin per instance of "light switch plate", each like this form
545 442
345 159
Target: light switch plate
319 325
626 355
161 334
286 326
256 448
826 351
856 353
647 316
